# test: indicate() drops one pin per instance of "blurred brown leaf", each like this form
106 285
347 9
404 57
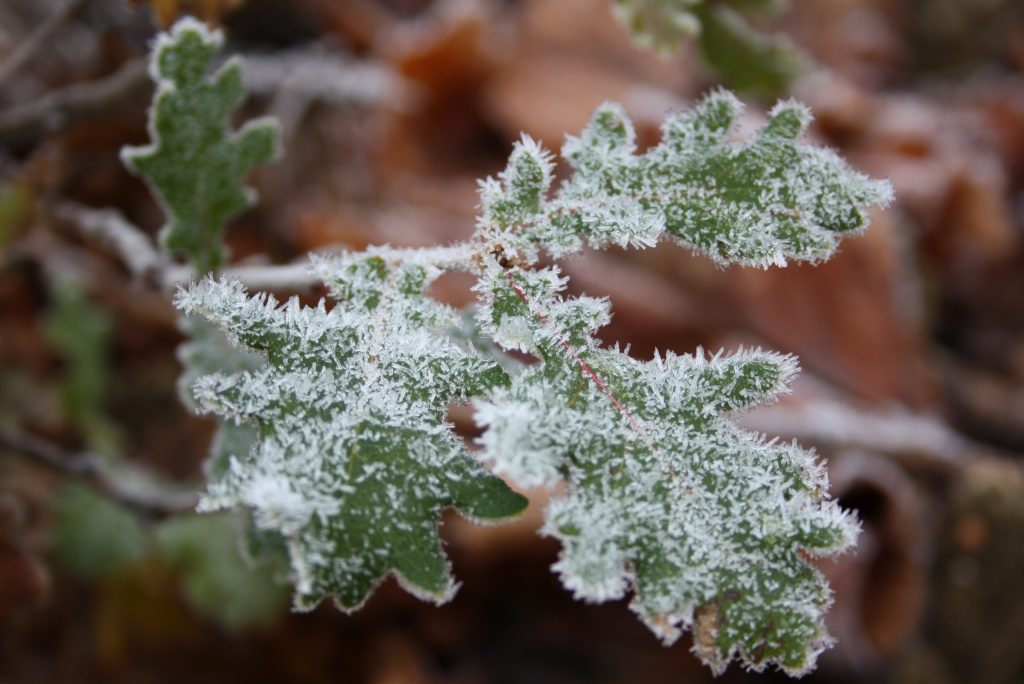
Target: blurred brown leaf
24 582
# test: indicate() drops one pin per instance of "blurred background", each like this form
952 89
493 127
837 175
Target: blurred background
911 339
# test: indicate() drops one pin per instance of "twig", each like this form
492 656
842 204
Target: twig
62 108
319 75
145 262
299 78
28 48
110 228
295 277
585 368
138 493
913 438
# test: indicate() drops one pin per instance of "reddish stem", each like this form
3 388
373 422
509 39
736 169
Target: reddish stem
584 366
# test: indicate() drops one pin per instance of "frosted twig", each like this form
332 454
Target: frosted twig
29 47
146 499
300 78
584 366
294 277
61 108
913 437
319 75
110 228
459 256
145 262
300 277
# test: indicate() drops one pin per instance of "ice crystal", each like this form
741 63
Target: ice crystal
759 203
208 351
706 523
354 461
195 164
335 435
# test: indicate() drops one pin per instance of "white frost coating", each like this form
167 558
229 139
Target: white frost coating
707 525
505 447
277 505
596 571
762 202
666 497
212 37
514 333
354 461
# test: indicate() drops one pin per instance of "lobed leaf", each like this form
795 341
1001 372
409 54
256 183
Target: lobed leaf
207 351
354 461
708 525
760 202
746 59
195 164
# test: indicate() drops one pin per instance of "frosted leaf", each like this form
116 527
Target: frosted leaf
208 351
195 164
519 191
667 498
354 461
760 202
335 437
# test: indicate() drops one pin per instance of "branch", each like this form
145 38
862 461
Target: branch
915 438
61 108
129 487
299 78
316 74
134 248
28 48
108 227
111 229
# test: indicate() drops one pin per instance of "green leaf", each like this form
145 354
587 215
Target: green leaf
79 331
93 536
708 525
355 460
209 351
195 164
659 25
760 202
217 580
337 443
747 59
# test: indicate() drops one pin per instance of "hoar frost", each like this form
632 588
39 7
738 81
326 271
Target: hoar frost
709 527
354 461
666 497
